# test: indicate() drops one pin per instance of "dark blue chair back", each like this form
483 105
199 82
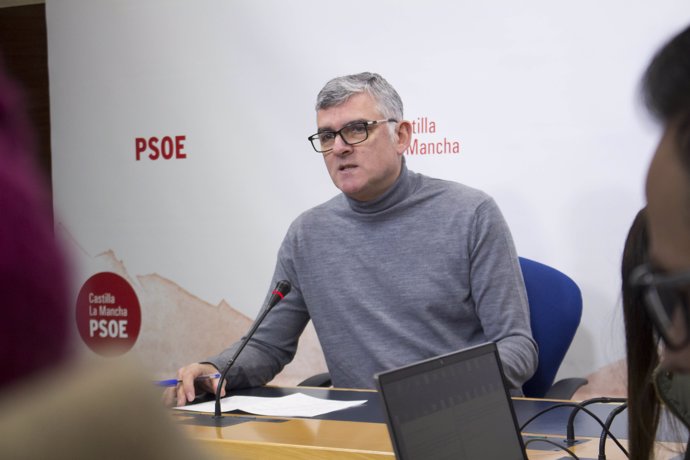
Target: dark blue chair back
555 304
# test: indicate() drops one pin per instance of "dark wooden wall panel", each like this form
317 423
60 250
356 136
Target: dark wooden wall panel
24 49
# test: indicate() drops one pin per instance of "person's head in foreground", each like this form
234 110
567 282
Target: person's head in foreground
34 330
663 281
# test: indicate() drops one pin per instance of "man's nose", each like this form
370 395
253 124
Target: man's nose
340 147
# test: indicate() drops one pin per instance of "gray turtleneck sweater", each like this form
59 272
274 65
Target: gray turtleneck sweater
426 269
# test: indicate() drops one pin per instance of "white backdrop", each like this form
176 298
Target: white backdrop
541 96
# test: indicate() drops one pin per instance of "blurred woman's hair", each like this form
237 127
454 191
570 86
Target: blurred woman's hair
641 346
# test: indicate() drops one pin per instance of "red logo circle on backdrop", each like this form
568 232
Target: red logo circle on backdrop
108 314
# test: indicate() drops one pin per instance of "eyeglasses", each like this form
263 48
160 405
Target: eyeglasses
352 133
666 300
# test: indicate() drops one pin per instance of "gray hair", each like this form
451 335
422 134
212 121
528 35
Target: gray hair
340 89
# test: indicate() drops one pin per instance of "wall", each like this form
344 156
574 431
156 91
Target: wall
540 97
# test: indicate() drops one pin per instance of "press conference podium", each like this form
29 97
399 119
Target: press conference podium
361 433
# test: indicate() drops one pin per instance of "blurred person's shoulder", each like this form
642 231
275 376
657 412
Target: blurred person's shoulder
106 410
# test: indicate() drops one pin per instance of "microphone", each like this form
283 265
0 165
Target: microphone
607 429
280 291
570 429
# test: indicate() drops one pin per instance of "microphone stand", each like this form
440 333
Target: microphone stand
604 433
280 291
570 429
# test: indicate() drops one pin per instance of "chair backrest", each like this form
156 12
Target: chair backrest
555 304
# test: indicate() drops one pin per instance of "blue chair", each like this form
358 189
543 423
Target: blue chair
555 304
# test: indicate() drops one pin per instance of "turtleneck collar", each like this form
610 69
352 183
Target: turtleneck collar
401 189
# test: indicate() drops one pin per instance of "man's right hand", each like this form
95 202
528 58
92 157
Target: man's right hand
186 390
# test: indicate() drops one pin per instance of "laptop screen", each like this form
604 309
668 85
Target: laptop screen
454 406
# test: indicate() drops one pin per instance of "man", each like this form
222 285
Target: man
398 268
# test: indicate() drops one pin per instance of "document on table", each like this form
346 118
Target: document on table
294 405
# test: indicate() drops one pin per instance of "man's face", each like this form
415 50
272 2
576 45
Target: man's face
668 211
366 170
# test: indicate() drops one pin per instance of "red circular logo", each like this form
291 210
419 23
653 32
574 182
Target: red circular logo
108 314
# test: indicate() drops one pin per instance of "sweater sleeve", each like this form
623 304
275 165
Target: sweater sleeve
275 342
498 290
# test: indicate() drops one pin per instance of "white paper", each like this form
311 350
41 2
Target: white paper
294 405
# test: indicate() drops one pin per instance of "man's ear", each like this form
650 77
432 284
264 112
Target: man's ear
404 136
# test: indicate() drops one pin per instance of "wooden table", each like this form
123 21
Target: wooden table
360 433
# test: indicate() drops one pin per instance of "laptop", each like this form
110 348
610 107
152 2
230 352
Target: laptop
454 406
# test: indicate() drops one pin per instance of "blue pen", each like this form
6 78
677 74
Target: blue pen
174 382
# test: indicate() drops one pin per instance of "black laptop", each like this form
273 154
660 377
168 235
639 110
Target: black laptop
454 406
